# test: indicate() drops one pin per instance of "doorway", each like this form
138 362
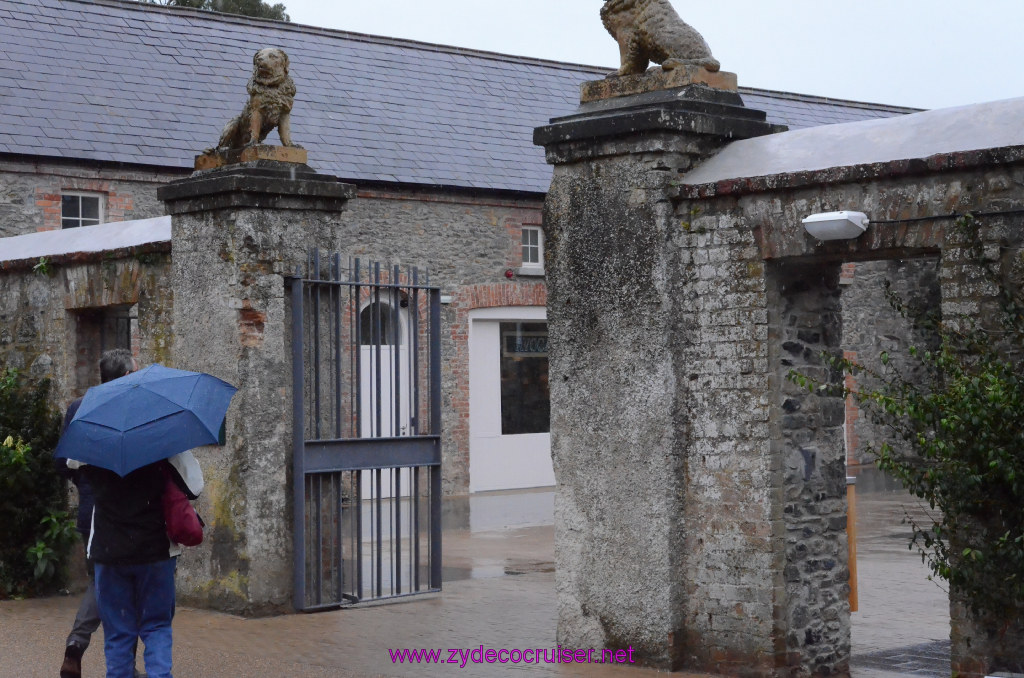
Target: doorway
509 403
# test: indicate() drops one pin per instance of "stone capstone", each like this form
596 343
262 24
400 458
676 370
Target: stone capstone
693 109
267 184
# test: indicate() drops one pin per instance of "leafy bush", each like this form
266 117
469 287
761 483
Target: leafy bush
36 532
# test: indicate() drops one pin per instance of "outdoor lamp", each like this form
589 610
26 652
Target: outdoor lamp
836 225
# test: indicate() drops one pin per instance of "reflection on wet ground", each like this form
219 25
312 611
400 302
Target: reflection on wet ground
902 625
494 534
499 592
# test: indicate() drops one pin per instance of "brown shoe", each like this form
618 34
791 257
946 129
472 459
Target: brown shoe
72 666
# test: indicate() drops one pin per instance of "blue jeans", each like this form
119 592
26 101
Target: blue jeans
136 601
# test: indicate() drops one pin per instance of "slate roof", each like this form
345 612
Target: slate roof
115 81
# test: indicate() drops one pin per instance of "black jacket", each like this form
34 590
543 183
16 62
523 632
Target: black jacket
128 522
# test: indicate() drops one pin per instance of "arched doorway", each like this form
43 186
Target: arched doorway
385 409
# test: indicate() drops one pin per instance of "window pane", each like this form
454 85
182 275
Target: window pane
531 246
525 400
529 255
69 223
375 327
89 222
91 208
69 206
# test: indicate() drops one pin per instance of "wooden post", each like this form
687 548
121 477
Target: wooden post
851 536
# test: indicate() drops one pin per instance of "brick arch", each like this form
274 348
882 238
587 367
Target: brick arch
466 299
493 295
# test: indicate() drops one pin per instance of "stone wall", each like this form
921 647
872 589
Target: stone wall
612 386
49 320
30 192
231 320
808 441
659 390
231 251
918 206
872 326
701 509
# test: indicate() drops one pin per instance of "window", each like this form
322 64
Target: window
525 400
80 209
376 326
533 247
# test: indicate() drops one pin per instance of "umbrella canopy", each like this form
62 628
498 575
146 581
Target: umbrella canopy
144 417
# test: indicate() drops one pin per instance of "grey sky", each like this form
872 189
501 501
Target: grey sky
926 53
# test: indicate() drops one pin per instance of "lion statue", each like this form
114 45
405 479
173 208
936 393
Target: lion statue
271 95
651 30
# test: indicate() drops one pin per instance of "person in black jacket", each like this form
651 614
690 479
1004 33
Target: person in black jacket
134 561
113 364
134 568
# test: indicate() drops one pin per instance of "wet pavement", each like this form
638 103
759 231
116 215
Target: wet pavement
902 625
499 593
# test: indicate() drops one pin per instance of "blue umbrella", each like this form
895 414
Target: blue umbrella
144 417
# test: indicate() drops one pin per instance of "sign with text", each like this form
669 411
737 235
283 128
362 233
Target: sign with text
524 344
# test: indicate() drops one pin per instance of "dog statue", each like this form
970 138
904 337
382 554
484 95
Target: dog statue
271 95
651 30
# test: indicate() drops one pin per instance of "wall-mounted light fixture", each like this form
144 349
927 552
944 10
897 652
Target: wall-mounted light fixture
836 225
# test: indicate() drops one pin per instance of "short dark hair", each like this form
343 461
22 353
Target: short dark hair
115 363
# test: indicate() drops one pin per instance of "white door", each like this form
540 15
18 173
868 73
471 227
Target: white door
384 372
509 411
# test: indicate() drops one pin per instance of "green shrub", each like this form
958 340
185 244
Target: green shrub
36 532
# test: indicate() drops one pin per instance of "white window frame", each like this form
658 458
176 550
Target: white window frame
101 200
532 267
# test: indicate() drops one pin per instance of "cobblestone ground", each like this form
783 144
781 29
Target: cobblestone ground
501 595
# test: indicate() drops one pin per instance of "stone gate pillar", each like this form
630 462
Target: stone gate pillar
237 231
664 508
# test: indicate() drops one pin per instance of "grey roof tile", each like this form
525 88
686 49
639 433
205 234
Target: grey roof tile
155 85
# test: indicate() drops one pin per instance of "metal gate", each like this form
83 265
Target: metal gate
366 370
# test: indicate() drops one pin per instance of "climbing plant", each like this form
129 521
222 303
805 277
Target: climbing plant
957 437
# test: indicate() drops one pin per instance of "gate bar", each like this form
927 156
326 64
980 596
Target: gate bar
435 427
298 447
